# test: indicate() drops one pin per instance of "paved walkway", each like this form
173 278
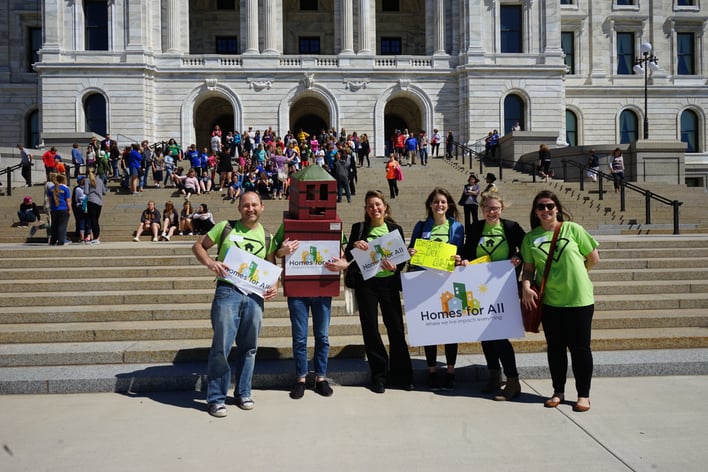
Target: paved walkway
635 424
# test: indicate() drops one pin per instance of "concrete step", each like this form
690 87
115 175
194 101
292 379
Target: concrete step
112 329
278 374
196 350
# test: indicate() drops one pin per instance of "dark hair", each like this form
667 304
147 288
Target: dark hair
562 214
388 218
451 206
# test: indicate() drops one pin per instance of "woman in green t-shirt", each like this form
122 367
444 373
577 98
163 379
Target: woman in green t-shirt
568 302
500 239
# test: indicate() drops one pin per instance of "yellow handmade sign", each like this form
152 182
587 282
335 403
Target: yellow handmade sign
434 255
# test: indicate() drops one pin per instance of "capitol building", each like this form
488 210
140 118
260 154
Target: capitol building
577 71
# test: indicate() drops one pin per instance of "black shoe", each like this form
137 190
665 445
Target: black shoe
449 383
433 382
322 387
298 391
378 387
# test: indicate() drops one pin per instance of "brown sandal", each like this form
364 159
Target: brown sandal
555 400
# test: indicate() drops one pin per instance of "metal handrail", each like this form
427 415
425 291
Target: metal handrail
8 171
648 194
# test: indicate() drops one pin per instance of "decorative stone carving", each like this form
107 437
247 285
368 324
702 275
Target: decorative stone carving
355 85
308 81
259 85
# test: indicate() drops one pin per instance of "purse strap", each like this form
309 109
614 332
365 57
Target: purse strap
549 261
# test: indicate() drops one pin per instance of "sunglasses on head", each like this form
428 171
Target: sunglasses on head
545 206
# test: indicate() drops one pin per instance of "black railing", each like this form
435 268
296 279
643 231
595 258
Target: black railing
648 194
8 171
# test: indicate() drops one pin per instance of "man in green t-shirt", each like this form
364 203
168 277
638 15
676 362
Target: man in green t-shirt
234 314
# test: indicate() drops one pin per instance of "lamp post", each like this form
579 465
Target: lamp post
642 65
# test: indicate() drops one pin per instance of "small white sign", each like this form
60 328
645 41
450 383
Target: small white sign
250 273
389 246
310 257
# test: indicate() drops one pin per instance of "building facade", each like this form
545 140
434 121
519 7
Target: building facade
157 69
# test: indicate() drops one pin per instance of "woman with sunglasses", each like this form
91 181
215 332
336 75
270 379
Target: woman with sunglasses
568 302
500 239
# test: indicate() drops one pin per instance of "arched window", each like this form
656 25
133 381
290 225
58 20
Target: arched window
628 126
571 128
95 111
513 112
32 130
689 130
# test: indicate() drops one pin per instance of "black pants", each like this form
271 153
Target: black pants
94 214
393 188
471 211
431 355
27 174
500 350
384 292
569 328
60 220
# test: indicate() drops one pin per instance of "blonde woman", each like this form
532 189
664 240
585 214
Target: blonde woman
59 197
506 237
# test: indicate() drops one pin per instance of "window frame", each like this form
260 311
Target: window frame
312 39
226 39
392 40
575 131
390 6
509 120
573 59
95 29
692 54
506 33
632 55
621 132
696 133
33 33
308 5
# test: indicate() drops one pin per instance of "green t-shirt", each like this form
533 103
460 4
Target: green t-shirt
441 233
568 283
377 232
493 243
252 241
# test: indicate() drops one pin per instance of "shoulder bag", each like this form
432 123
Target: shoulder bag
532 316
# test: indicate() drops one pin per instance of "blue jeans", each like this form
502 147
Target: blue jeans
423 156
343 185
233 316
299 309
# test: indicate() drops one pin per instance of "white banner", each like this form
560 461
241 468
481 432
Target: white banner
479 302
310 256
250 273
389 246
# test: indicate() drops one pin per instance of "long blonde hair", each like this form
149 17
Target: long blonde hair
92 177
60 179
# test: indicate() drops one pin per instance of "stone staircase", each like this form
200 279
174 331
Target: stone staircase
131 316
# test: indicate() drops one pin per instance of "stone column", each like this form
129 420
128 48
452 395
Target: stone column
438 27
367 23
52 25
251 17
345 23
136 24
273 26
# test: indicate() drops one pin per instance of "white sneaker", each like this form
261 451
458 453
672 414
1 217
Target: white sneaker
167 238
246 403
154 240
136 239
218 410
